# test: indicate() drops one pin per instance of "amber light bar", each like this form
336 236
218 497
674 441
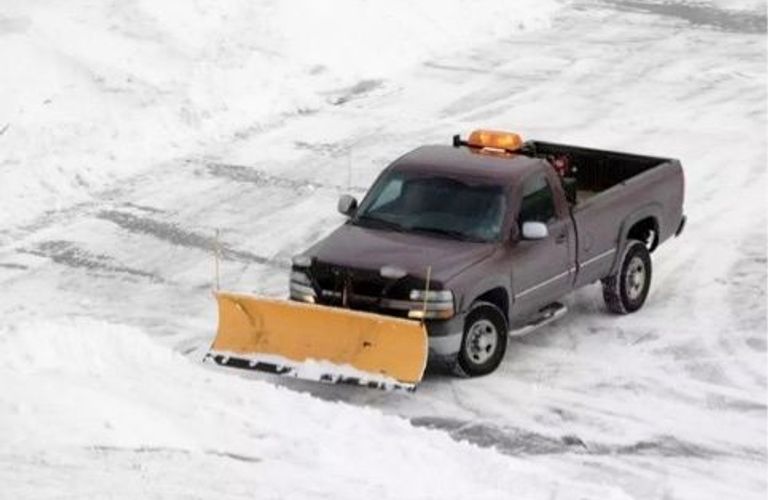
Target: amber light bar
491 139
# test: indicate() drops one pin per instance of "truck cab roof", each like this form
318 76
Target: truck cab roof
465 164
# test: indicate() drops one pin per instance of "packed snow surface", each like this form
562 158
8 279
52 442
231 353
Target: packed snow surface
131 131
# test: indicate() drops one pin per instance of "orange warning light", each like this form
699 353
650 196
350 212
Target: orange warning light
493 139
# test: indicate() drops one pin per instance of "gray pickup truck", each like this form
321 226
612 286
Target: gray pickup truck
480 239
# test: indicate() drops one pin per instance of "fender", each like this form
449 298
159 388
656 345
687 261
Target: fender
485 286
653 210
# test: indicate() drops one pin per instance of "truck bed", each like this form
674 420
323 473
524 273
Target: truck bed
594 170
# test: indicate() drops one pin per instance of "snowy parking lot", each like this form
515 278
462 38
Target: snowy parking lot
130 132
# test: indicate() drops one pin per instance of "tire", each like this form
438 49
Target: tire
626 291
484 341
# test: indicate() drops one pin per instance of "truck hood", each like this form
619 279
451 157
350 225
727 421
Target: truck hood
371 249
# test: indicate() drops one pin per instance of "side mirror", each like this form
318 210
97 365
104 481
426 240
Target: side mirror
535 231
347 205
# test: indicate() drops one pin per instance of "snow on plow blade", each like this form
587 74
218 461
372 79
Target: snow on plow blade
317 342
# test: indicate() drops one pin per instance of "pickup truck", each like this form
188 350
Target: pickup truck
481 238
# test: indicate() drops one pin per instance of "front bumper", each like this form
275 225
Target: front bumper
445 337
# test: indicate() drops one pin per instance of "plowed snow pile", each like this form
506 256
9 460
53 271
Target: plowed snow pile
100 410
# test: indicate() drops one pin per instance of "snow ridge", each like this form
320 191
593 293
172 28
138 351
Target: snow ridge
83 396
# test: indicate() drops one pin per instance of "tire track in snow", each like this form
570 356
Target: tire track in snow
139 450
521 442
175 235
699 15
67 253
260 178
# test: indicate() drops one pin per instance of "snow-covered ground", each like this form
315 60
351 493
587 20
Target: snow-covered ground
94 92
96 410
131 131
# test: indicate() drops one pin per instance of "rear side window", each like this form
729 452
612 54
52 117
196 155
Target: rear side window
538 204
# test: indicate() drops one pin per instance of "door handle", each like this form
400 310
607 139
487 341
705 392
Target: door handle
560 238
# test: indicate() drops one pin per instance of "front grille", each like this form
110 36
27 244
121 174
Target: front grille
364 287
333 278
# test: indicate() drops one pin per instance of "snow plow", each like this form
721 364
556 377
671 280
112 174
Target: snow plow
452 250
321 343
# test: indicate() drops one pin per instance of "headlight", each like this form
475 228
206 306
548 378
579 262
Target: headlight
432 304
301 287
432 295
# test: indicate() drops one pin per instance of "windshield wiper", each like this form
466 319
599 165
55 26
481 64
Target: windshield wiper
446 232
381 223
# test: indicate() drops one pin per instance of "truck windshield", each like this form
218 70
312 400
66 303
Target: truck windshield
445 207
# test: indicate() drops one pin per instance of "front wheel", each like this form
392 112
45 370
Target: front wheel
484 341
626 291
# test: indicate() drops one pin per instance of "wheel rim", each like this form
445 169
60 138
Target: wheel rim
635 278
482 340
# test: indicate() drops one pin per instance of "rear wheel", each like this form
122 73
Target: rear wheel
626 291
484 342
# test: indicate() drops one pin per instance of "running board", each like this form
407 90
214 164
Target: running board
546 316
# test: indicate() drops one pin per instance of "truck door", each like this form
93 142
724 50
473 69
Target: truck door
541 269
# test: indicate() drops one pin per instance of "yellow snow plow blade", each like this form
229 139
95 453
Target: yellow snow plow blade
317 342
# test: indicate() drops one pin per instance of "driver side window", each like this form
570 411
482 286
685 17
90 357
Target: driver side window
538 204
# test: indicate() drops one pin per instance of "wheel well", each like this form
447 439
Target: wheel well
497 297
647 231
